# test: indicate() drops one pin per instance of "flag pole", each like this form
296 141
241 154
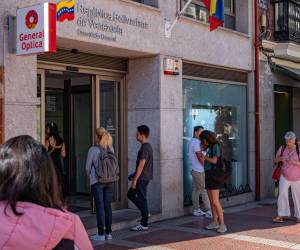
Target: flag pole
168 26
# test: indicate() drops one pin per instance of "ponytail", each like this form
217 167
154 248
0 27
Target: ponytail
105 138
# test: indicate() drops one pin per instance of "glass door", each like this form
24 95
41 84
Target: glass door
79 102
110 113
40 106
82 138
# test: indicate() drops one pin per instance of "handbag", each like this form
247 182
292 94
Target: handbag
221 171
277 170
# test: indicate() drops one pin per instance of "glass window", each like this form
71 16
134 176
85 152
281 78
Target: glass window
229 21
198 10
281 22
110 118
229 6
153 3
221 108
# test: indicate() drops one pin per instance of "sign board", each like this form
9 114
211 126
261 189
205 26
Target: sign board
171 66
36 29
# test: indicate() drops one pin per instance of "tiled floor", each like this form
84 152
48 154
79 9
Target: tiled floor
248 229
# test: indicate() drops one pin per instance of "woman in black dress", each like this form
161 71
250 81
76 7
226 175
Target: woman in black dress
56 148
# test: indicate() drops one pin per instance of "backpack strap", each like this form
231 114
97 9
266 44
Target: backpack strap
93 164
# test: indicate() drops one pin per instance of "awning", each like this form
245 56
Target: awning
288 68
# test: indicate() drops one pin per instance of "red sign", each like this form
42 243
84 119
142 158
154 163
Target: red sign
36 29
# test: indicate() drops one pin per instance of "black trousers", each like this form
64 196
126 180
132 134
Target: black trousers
138 197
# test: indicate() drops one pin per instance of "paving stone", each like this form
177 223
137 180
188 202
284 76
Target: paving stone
111 247
218 243
248 229
162 237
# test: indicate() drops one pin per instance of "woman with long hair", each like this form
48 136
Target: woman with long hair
32 212
288 155
56 147
101 192
211 144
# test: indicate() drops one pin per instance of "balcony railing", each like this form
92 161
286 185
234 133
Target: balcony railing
287 20
153 3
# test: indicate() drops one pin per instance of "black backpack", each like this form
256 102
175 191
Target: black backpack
108 168
222 170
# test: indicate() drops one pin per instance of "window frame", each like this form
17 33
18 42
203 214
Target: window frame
232 12
156 5
200 3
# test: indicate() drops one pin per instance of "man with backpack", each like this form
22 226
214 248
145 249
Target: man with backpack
142 176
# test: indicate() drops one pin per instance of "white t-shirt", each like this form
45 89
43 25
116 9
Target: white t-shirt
194 147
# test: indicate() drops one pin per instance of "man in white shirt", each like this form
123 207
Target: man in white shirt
198 175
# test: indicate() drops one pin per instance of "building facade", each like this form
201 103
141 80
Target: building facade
109 70
279 81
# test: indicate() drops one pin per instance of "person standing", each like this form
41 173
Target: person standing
289 156
102 189
56 148
143 175
32 212
211 144
198 175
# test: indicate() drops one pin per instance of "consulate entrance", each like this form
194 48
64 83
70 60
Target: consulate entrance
79 101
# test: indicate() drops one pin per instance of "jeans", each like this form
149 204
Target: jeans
103 195
138 197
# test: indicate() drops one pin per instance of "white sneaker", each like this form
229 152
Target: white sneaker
139 228
97 237
208 214
222 229
212 226
108 237
198 212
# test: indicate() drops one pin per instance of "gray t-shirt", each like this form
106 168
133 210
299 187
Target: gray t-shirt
146 153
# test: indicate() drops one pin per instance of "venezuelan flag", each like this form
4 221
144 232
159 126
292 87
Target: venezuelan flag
216 13
65 10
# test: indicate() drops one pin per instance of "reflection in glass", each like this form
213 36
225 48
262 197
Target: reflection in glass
220 108
197 10
38 108
110 119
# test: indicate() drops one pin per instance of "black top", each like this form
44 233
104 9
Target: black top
146 153
56 155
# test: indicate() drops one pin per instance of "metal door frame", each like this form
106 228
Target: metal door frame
97 77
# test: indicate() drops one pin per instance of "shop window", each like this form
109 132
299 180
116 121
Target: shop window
153 3
198 11
221 108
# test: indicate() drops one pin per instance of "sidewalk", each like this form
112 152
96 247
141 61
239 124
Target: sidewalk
250 227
